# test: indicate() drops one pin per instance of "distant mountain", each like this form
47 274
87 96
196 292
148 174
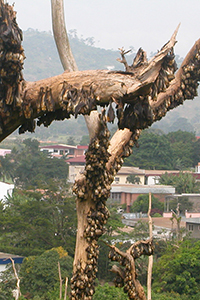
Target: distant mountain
42 61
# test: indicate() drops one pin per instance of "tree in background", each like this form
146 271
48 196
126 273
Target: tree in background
141 204
85 140
31 222
109 292
154 152
33 169
133 179
182 146
39 275
177 270
184 202
173 151
6 168
183 182
71 141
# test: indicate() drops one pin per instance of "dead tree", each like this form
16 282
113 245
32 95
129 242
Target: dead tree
137 97
126 275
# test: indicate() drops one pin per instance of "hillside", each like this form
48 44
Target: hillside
42 61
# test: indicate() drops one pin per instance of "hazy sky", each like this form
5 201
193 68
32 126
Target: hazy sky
115 23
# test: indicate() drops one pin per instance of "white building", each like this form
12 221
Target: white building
6 189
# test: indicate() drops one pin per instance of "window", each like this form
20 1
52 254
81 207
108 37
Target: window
116 179
61 152
115 197
191 227
71 151
55 151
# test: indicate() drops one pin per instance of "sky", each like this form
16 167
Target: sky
115 23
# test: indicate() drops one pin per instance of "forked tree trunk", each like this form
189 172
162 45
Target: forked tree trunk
142 95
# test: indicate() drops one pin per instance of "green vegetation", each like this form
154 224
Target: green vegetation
177 270
30 168
47 63
184 202
133 179
31 222
183 182
108 292
40 274
142 204
173 151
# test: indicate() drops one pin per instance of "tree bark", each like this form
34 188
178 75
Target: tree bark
150 264
18 293
60 36
126 274
60 280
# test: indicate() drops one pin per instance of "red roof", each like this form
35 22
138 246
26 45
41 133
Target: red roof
82 147
78 159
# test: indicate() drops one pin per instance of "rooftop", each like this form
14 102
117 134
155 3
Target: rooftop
59 146
131 170
193 220
77 159
142 189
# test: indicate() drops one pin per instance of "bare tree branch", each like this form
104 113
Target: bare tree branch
61 37
17 278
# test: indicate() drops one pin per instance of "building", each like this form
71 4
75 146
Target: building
124 172
128 193
5 259
193 226
3 152
6 190
60 150
153 176
194 198
76 166
122 192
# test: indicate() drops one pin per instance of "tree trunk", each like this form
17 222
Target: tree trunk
150 264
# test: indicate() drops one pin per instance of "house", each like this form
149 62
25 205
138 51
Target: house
76 166
5 259
3 152
124 172
122 192
128 193
153 176
6 189
60 150
193 226
194 198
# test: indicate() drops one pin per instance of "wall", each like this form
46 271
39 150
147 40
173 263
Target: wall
5 190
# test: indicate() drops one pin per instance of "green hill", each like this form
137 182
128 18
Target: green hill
42 61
